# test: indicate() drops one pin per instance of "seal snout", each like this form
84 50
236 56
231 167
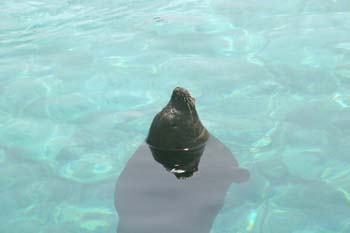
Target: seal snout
182 95
180 91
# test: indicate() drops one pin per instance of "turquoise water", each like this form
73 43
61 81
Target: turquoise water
80 82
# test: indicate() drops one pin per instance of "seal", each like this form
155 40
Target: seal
150 200
177 126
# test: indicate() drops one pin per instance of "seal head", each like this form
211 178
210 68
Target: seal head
177 126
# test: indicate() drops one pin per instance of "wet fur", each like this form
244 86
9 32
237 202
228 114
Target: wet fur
177 126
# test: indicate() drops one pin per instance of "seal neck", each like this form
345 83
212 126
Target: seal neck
189 149
183 163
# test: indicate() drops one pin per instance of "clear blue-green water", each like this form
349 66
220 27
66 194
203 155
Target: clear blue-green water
80 82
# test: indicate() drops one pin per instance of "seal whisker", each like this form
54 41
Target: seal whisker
189 106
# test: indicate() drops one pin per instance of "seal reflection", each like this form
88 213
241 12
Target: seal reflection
182 163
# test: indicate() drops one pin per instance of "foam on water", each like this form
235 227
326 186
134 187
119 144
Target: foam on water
80 82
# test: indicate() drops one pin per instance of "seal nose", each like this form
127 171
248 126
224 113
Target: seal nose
180 90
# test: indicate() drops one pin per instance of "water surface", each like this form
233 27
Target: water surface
80 82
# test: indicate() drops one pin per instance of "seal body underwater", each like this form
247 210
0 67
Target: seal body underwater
149 199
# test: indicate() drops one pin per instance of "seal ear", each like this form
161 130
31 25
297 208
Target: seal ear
240 175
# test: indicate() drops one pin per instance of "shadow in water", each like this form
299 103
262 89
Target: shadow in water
150 200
